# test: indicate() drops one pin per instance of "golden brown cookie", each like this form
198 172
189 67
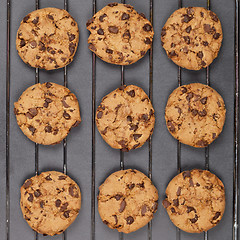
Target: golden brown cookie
47 38
127 200
192 37
119 34
47 112
195 114
50 202
195 200
125 118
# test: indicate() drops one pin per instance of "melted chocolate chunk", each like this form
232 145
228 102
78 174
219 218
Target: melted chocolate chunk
122 206
147 27
58 203
125 16
113 29
129 220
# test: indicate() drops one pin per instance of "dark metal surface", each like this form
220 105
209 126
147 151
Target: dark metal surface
85 156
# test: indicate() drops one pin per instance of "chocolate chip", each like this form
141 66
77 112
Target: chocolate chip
35 20
122 143
172 210
127 35
48 84
142 15
76 123
217 215
205 43
89 22
122 206
41 204
129 220
64 102
92 47
136 145
41 46
202 143
73 191
50 17
116 220
131 93
48 178
202 113
188 29
141 185
144 117
118 197
189 96
207 28
203 63
30 198
213 16
185 49
66 115
32 129
191 209
112 4
178 191
136 136
26 18
147 41
147 27
48 129
113 29
58 203
155 206
203 100
129 118
194 112
22 43
197 184
173 45
214 135
33 44
171 126
27 184
166 203
200 54
216 35
144 209
202 14
100 31
176 202
131 186
71 37
186 39
64 207
110 51
190 11
66 214
193 220
191 182
71 48
186 174
184 90
125 16
172 53
102 17
186 18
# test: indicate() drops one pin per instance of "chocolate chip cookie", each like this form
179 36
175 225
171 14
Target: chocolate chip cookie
119 35
47 38
47 112
192 37
125 118
50 202
127 200
195 114
195 200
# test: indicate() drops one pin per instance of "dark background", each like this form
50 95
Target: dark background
79 155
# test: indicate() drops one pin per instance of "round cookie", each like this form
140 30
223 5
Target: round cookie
192 37
195 200
119 35
50 202
125 118
47 112
127 200
47 38
195 114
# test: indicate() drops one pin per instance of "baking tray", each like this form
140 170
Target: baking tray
84 155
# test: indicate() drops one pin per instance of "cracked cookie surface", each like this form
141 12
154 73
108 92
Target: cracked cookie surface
125 118
195 200
47 112
195 114
192 37
119 35
127 200
47 38
50 202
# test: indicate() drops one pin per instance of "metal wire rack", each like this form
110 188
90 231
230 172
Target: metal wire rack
235 217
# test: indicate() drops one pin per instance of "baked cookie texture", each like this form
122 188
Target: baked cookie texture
50 202
119 35
125 118
47 112
192 37
127 200
195 200
47 38
195 114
